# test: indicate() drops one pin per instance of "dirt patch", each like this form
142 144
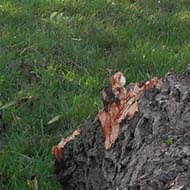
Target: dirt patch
152 151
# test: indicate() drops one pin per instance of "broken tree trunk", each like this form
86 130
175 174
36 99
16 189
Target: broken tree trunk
152 151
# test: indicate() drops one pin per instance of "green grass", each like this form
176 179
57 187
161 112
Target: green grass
60 53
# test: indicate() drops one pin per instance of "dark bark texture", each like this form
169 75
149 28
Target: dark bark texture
152 151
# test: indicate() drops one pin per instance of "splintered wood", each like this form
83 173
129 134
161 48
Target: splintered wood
58 150
120 103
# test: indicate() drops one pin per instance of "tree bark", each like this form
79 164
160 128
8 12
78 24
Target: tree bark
152 151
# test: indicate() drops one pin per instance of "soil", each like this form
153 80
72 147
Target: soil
152 151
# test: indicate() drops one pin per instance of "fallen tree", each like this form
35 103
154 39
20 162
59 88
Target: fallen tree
152 151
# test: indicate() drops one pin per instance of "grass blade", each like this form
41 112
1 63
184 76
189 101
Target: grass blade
54 119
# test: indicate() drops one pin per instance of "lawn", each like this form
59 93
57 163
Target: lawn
55 55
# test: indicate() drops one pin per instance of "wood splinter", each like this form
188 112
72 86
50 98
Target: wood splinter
120 103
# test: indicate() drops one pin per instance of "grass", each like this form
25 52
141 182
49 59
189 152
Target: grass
56 55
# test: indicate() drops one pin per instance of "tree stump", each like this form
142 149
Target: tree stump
152 151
